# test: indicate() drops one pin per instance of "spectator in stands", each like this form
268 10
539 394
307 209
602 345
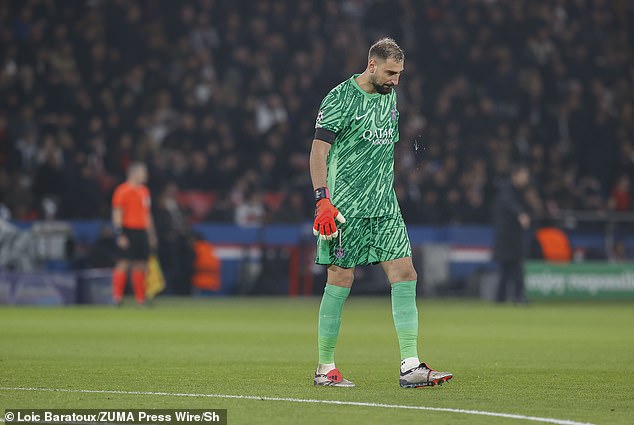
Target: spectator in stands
495 82
621 196
475 211
293 209
618 253
251 212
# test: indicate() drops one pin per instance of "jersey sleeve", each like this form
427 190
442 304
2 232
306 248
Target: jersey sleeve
330 118
394 114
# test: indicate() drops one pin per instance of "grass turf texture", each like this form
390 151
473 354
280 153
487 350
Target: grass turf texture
558 360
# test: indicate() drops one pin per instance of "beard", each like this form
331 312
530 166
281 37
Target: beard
380 88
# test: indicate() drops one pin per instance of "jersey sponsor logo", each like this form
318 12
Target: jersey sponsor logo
380 136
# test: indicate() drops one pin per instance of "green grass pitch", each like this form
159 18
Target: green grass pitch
567 361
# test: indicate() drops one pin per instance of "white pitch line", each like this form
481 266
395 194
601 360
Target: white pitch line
305 400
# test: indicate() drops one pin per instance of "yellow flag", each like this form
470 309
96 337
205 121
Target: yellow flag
154 281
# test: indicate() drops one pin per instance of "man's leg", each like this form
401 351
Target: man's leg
518 280
335 295
138 281
502 282
402 277
119 277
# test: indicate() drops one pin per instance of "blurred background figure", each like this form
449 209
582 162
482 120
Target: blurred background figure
134 229
77 106
621 196
216 98
251 212
511 221
206 275
174 247
552 244
103 252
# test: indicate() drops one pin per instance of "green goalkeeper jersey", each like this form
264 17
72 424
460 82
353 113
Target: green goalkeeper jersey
362 129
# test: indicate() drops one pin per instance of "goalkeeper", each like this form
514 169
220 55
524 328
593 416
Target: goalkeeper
357 218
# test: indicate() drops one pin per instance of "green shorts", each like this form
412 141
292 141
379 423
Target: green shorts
366 241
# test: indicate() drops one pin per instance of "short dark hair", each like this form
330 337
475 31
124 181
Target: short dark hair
386 48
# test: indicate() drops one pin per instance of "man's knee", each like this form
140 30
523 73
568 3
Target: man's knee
404 275
400 270
139 265
339 276
121 265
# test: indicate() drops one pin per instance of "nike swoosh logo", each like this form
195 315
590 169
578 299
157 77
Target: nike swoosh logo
362 116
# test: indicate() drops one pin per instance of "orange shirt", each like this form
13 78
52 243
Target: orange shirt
555 245
206 267
134 202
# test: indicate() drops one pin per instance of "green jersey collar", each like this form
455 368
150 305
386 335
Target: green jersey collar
356 85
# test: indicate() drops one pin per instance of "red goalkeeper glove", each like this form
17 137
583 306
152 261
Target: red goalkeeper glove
325 215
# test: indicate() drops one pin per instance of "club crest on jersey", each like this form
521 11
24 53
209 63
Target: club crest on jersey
340 252
393 112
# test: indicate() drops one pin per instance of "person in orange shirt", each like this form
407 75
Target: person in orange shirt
134 227
207 266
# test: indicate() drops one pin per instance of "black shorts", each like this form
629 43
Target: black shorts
138 245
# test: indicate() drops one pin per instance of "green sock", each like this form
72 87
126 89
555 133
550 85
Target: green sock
329 321
405 317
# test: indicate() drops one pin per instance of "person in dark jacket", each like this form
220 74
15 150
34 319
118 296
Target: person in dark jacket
510 220
103 253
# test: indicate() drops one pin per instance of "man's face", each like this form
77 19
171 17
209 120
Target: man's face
385 74
522 177
140 175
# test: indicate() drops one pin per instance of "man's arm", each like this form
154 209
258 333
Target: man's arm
117 218
151 232
516 207
117 224
318 156
325 212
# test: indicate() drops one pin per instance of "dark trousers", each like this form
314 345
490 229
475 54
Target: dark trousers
511 272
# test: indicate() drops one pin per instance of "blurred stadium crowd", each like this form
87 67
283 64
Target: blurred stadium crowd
219 98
